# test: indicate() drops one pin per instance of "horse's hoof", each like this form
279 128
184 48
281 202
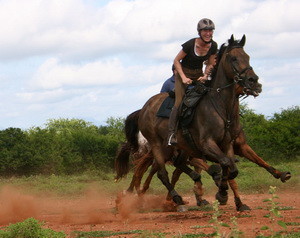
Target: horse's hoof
178 200
243 208
285 176
222 199
182 208
202 203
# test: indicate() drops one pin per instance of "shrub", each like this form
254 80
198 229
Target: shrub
30 228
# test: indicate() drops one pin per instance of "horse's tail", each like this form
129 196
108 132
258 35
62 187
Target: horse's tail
130 146
132 130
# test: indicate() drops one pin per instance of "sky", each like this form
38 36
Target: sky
93 59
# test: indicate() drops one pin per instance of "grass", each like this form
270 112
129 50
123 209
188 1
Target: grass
30 228
88 234
251 179
261 179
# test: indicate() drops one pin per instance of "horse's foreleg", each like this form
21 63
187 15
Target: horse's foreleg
199 165
238 203
212 150
244 150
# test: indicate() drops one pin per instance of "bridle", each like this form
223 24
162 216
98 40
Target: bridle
239 76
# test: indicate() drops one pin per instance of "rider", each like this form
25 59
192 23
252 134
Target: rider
168 85
188 64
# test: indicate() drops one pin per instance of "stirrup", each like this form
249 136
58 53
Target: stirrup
172 139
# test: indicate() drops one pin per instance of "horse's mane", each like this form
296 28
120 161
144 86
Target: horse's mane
231 43
219 57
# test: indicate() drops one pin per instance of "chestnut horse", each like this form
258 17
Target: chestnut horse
215 123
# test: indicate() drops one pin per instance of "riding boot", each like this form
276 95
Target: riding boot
172 140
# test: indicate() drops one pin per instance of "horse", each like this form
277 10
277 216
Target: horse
214 126
143 159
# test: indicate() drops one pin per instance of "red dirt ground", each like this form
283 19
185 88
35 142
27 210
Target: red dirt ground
97 212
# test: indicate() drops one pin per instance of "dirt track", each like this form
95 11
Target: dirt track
97 212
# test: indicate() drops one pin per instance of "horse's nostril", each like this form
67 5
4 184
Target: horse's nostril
252 80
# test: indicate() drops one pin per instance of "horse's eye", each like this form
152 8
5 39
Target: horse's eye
233 59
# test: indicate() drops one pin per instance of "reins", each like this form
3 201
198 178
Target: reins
238 77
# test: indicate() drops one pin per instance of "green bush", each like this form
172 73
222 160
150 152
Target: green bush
71 146
274 139
30 228
15 156
284 132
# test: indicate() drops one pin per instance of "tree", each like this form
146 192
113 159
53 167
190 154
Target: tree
284 130
15 156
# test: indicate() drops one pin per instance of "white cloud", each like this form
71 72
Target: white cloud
54 74
99 58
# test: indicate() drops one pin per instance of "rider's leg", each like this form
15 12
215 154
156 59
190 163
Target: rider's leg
179 93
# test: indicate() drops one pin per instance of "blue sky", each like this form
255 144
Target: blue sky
91 59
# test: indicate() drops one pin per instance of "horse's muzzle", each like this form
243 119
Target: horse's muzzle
252 86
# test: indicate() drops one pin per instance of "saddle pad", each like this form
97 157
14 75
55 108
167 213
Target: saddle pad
166 107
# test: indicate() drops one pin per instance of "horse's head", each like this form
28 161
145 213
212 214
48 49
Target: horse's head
237 66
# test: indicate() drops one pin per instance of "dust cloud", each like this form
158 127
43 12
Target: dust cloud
92 207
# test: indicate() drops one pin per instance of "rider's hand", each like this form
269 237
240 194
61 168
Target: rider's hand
203 78
186 80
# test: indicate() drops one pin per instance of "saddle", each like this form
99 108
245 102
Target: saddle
187 107
166 106
191 99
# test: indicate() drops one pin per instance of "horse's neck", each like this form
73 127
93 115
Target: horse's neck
224 94
223 84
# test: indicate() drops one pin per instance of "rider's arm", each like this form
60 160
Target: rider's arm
178 67
211 62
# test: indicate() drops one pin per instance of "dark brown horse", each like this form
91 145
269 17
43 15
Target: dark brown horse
144 159
214 127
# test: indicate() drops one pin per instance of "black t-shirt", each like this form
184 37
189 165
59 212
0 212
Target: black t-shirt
191 60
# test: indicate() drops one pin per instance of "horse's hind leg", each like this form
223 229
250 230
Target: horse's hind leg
131 186
175 177
162 174
153 171
237 200
142 165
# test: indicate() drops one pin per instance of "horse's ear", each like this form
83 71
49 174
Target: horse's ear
243 40
231 40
